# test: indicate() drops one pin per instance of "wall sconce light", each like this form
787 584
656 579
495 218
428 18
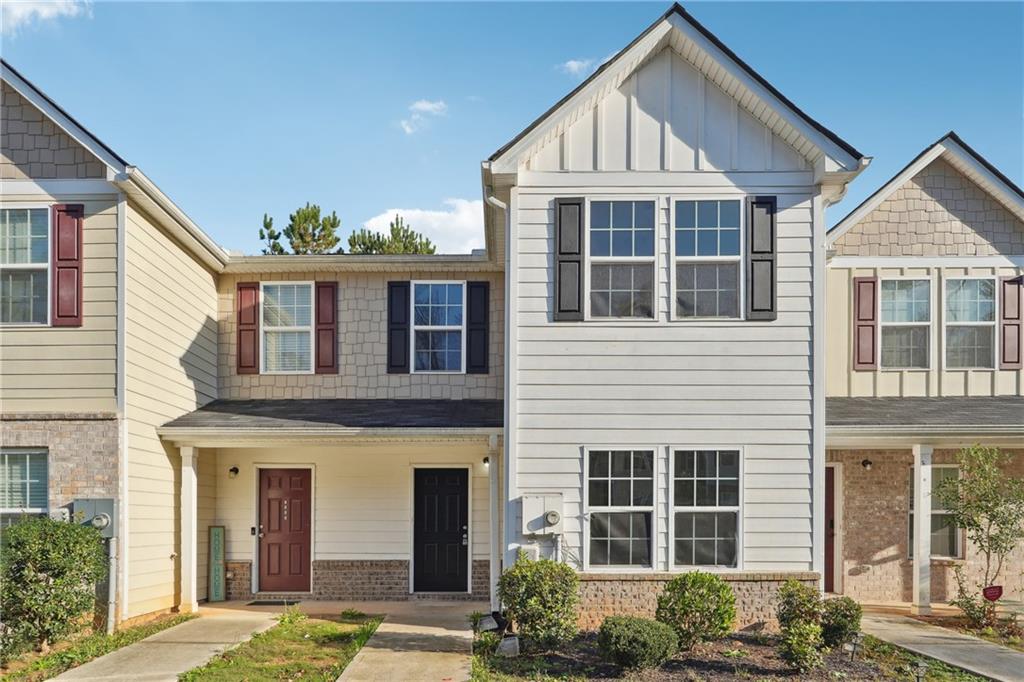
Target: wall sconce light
487 461
233 472
866 464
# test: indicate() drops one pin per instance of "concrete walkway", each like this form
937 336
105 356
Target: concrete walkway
962 651
417 642
163 656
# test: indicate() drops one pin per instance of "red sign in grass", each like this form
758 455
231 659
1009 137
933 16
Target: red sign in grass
992 592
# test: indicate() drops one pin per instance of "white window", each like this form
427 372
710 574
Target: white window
905 323
945 534
622 237
708 247
706 508
23 485
24 265
438 326
287 327
620 501
970 323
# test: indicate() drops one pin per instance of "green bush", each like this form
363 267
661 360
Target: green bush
840 620
636 642
540 597
48 571
698 606
798 603
801 645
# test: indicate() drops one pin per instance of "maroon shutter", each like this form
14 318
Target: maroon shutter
67 265
248 302
326 327
865 323
1010 319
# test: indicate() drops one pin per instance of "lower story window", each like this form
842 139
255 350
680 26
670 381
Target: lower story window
620 490
706 507
23 485
945 535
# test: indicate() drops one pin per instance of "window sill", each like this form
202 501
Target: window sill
27 325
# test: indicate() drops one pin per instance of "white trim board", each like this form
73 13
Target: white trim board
57 188
854 262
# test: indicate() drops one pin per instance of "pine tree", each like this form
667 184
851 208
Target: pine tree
401 240
271 237
309 233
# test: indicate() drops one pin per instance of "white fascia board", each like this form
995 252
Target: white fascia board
852 262
276 437
57 187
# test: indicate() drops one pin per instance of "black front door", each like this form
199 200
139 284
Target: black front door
441 533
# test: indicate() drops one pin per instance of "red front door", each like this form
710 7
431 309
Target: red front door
830 529
284 532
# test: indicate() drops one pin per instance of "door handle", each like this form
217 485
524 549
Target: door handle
260 535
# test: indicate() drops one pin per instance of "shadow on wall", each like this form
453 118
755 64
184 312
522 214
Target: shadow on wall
199 362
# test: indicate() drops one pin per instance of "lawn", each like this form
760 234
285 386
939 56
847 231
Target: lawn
313 648
737 657
81 648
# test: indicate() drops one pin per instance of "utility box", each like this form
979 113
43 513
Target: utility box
542 514
100 513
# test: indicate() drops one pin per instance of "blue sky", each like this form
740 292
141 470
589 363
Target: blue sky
241 108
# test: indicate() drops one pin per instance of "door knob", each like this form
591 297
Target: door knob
465 539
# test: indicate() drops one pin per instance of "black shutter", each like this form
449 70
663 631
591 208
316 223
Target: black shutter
762 276
398 328
478 298
569 238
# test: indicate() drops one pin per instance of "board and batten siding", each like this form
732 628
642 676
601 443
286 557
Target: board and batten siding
69 369
665 383
842 380
170 370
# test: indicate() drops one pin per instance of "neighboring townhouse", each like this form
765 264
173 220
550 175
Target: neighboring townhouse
924 358
665 281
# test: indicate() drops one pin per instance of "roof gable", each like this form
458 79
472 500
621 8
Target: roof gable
679 31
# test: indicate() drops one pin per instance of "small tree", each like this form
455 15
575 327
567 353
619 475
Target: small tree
48 572
402 239
309 233
271 237
989 506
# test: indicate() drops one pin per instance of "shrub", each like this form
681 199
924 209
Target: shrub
48 571
801 645
798 603
840 619
699 606
540 597
636 642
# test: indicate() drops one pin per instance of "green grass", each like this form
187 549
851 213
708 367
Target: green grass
310 649
899 663
75 652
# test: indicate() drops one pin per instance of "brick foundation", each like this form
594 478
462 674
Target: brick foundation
370 580
636 594
875 564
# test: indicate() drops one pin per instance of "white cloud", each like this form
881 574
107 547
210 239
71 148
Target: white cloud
576 67
459 228
18 14
422 110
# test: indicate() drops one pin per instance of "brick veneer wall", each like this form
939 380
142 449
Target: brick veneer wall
82 451
606 594
32 147
938 212
362 352
350 580
875 566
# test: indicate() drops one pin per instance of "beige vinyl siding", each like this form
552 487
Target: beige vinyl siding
666 384
362 495
70 369
842 381
170 358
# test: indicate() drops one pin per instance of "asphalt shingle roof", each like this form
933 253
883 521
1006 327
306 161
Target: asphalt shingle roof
953 412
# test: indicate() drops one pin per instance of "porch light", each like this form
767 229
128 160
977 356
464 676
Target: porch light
487 461
233 472
866 464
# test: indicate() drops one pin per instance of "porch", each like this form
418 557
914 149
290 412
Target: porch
354 500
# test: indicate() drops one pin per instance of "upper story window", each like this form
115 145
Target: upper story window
622 236
287 327
706 504
438 325
24 265
970 323
707 258
23 484
905 323
620 498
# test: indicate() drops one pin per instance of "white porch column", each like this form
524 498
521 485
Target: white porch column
189 530
494 502
922 597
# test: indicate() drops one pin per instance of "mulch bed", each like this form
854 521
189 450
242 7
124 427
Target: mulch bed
737 657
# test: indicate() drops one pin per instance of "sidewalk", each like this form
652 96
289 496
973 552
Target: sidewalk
418 642
167 654
962 651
